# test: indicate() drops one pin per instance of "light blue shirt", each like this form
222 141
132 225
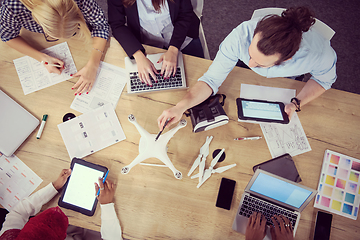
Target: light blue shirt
314 56
156 27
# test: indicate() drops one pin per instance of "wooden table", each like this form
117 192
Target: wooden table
149 201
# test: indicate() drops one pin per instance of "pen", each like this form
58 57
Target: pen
104 179
41 126
51 64
248 138
167 121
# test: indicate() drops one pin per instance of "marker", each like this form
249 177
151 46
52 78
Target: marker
41 126
104 179
248 138
51 64
167 121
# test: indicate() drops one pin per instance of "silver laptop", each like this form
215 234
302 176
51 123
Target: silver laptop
174 82
272 195
16 124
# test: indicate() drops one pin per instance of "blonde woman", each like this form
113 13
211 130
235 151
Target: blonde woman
57 19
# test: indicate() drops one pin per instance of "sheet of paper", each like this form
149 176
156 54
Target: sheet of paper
34 76
17 181
91 131
109 84
339 185
280 138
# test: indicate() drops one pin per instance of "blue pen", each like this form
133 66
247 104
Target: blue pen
106 174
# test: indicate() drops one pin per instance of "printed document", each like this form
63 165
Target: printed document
280 138
109 84
34 76
91 131
17 181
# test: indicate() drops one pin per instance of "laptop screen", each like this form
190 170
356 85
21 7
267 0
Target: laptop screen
280 190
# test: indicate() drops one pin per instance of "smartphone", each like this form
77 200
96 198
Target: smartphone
226 192
323 226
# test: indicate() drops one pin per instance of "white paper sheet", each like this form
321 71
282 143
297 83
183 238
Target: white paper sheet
280 138
91 131
109 84
34 76
17 181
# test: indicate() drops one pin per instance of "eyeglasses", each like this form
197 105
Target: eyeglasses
49 38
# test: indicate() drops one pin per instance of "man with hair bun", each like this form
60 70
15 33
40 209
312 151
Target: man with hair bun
274 46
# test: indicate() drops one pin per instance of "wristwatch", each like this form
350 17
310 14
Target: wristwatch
296 102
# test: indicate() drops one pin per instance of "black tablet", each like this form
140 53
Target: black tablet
261 111
79 193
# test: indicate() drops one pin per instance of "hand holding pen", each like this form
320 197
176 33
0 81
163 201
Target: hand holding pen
167 121
53 65
107 191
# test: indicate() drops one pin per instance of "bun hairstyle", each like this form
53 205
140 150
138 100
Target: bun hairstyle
282 34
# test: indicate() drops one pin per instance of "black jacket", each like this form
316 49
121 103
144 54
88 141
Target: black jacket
125 24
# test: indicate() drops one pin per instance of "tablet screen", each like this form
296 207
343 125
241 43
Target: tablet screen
80 190
262 110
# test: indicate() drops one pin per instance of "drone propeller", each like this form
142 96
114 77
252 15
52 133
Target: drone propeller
209 171
202 150
223 169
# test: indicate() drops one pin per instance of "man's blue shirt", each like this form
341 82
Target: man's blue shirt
314 56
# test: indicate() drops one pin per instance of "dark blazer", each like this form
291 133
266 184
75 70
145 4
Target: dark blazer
125 24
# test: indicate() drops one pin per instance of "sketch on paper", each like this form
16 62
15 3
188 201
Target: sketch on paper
289 138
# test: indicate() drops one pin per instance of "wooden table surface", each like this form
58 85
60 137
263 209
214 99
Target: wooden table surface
149 201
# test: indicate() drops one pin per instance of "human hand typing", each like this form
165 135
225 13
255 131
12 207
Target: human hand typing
282 229
145 68
169 60
61 180
107 191
255 229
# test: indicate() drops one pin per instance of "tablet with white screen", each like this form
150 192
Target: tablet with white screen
261 111
79 191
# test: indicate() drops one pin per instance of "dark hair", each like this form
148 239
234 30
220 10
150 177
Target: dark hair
155 3
283 34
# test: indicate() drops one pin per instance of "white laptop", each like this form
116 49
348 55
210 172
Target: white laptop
272 195
16 124
174 82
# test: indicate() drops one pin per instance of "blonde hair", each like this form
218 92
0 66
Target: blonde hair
59 18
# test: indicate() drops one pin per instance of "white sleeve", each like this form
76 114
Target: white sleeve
110 225
29 206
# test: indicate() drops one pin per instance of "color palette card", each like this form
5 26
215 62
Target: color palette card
338 189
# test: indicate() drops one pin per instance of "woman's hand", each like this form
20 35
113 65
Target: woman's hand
256 227
282 229
107 191
145 68
87 78
61 180
169 60
51 60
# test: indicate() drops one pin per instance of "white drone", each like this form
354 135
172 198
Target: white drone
149 148
205 174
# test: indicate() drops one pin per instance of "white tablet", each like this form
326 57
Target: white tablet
79 191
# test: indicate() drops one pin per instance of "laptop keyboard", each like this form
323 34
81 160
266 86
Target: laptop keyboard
173 82
252 204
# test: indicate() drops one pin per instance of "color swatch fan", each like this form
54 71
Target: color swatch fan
339 185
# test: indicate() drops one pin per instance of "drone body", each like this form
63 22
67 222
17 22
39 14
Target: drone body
149 148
